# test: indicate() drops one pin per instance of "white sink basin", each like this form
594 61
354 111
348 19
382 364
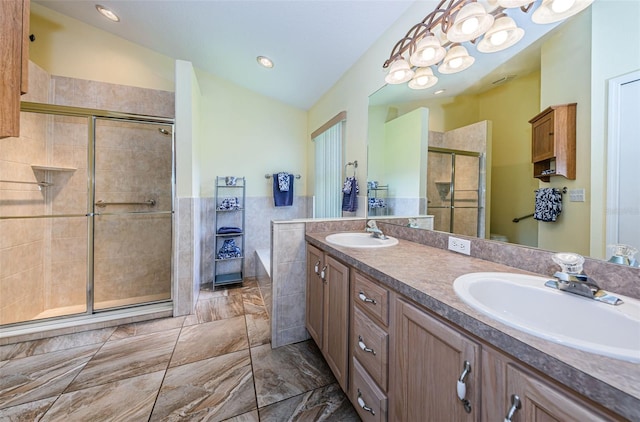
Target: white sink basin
360 240
523 302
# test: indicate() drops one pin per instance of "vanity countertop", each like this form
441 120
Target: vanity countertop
426 274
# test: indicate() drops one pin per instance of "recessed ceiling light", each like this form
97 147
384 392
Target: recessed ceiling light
109 14
265 61
440 91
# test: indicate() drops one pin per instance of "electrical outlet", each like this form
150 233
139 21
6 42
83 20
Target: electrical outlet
459 245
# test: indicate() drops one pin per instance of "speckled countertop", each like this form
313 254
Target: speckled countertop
426 274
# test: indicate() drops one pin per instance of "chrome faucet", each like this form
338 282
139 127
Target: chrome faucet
374 230
573 280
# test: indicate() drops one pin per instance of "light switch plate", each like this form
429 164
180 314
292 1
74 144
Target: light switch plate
576 195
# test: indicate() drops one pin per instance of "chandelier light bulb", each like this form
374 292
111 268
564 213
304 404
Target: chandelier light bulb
561 6
423 79
428 52
399 72
470 25
471 21
499 38
456 60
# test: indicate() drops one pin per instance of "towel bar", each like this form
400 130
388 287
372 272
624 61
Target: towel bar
41 184
515 220
269 176
150 202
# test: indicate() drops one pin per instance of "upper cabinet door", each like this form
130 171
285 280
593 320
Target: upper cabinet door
14 62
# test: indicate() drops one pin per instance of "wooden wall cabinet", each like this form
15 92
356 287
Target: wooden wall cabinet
553 142
327 310
14 63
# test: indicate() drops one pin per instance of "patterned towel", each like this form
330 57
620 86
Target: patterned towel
548 204
283 182
350 192
229 250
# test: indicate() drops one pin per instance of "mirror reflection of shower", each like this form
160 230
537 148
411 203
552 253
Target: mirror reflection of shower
455 190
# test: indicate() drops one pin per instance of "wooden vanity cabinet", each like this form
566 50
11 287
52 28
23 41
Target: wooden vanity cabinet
369 344
540 400
327 310
553 142
14 63
429 361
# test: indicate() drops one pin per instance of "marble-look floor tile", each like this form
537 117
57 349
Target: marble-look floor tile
288 371
129 399
252 302
146 327
245 417
258 328
211 389
323 404
27 412
203 341
126 358
41 376
53 344
215 309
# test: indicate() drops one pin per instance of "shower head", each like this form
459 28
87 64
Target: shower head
164 131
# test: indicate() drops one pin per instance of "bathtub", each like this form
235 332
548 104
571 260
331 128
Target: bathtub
263 276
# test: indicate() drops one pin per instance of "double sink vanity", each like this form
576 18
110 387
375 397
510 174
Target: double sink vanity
414 332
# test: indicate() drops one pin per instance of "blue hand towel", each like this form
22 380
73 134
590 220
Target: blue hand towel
280 198
350 191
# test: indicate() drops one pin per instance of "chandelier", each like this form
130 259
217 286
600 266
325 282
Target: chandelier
438 40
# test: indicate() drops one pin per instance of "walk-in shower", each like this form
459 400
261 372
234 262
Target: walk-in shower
86 213
455 190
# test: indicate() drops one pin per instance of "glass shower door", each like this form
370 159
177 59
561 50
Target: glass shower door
133 213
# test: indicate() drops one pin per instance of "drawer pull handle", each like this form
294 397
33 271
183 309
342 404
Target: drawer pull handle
461 387
364 347
363 405
515 405
316 268
365 299
323 274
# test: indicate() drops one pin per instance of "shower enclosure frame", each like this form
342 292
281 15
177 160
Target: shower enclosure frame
481 185
92 116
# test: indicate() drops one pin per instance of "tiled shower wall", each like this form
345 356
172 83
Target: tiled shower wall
43 261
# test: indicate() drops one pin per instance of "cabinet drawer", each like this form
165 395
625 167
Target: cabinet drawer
369 401
370 346
371 297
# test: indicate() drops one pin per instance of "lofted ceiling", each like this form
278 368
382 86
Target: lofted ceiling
312 42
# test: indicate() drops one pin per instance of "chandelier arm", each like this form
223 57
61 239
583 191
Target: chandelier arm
527 7
442 15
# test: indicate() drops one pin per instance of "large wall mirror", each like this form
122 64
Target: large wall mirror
486 116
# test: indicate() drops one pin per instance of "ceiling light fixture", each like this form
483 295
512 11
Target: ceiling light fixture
107 13
265 61
459 21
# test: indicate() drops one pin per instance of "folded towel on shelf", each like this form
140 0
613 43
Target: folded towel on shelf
229 249
350 192
548 204
229 204
283 182
282 198
229 230
377 203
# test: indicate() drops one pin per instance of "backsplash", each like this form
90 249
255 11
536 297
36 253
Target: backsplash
611 277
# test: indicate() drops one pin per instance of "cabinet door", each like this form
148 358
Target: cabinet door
542 143
314 318
336 319
540 402
429 360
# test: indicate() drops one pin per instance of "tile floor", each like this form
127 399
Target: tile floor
214 365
